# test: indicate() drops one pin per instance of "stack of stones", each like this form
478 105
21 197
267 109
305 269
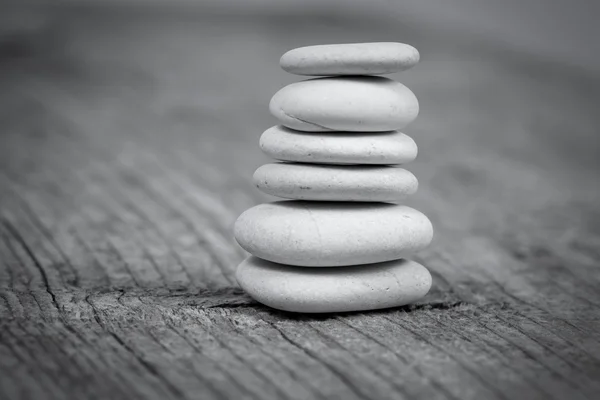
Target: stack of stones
340 244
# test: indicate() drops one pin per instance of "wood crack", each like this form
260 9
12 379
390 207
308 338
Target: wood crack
467 368
434 383
351 385
145 364
15 234
217 365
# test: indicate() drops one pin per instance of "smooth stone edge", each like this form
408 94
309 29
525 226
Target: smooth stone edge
345 204
285 64
336 193
284 130
306 124
336 270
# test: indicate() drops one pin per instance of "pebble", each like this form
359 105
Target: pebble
335 182
357 104
317 234
350 59
333 289
383 148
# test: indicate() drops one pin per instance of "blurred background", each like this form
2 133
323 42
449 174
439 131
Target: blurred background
559 29
128 138
176 93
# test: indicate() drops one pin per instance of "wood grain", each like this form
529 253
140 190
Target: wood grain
127 143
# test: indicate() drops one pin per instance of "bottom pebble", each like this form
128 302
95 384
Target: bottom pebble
333 289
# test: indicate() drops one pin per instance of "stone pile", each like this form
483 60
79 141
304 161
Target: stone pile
341 242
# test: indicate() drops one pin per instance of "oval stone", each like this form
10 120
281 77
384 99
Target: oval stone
324 290
335 182
383 148
322 234
357 104
350 59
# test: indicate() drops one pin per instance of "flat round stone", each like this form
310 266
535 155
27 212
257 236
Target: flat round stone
357 104
350 59
384 148
329 234
335 182
324 290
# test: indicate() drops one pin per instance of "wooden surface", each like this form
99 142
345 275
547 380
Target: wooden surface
127 143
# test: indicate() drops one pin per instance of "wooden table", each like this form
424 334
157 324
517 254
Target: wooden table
127 145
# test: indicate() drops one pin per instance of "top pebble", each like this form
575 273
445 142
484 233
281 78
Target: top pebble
350 59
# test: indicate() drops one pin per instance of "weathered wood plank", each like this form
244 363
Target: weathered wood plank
126 146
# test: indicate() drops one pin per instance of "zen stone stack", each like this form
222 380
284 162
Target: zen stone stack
341 241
